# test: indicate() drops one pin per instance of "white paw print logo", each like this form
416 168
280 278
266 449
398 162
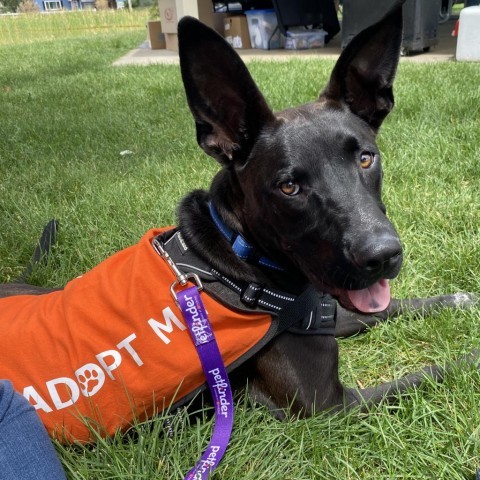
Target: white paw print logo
91 379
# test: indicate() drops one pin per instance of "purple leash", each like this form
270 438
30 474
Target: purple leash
195 315
212 363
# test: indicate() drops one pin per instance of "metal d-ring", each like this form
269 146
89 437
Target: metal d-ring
192 277
182 278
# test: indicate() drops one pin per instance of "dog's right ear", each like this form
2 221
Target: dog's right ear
227 106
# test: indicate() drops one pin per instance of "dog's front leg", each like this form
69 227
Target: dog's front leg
350 323
367 397
298 373
425 306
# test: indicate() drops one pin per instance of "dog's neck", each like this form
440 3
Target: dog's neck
240 245
202 235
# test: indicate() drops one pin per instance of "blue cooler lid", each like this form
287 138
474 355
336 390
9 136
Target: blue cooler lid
266 10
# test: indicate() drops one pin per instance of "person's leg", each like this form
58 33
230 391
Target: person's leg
26 452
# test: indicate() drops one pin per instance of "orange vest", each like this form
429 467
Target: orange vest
112 346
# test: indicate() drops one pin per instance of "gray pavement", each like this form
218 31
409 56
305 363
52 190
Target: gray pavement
444 51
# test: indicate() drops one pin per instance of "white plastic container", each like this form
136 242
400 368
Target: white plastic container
304 39
468 41
261 26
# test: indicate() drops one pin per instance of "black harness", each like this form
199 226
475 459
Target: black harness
310 313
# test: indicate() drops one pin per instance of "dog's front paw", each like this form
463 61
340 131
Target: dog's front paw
422 306
462 300
472 358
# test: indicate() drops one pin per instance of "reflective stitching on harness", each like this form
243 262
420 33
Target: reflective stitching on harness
273 294
218 274
269 292
193 267
266 304
310 321
170 239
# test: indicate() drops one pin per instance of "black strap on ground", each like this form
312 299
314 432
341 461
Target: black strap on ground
42 249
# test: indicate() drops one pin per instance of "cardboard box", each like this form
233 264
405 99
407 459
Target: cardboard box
171 41
155 35
172 10
208 16
235 31
168 15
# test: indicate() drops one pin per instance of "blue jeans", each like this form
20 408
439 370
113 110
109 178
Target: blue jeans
26 451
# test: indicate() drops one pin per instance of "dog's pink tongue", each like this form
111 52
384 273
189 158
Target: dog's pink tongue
372 299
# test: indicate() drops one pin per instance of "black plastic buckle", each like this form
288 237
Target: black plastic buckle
320 321
251 294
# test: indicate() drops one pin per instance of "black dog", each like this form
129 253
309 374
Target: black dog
303 187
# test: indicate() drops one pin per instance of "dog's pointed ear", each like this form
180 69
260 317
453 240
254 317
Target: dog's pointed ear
363 75
227 106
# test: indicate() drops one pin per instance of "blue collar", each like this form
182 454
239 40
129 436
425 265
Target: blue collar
242 248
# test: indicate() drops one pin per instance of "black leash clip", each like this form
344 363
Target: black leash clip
181 278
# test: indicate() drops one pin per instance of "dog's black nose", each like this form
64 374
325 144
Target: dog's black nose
381 257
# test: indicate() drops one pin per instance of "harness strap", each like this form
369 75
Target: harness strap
310 313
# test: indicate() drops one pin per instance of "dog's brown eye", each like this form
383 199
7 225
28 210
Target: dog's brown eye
290 188
367 159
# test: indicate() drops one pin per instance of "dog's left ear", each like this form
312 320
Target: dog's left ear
363 75
227 106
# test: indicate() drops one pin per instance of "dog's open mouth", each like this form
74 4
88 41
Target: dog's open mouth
373 298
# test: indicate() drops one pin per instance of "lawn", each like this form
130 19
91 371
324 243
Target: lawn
66 119
32 28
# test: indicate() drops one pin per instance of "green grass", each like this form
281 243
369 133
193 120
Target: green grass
34 27
66 115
